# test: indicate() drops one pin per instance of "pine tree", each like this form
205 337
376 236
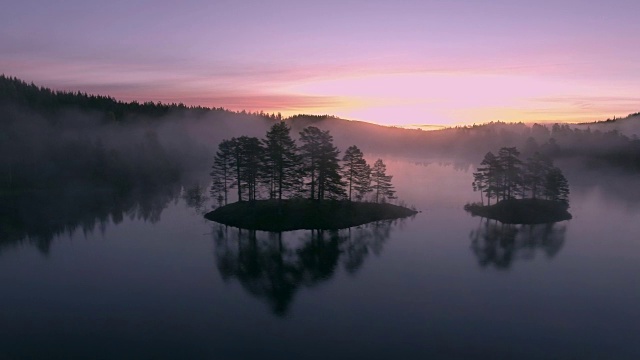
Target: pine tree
321 165
246 155
381 182
488 177
356 171
479 183
556 186
510 165
236 165
251 155
282 162
222 170
218 191
363 182
535 170
310 151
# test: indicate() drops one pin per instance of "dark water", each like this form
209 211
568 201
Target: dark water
155 280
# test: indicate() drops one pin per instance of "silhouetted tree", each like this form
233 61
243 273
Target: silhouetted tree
222 170
479 184
246 155
282 162
251 160
381 182
218 191
356 171
321 165
488 177
362 185
510 165
556 186
535 172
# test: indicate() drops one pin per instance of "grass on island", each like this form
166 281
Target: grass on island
522 211
295 214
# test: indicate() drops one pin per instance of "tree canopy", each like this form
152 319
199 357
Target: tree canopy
321 164
356 172
281 161
381 182
277 168
505 176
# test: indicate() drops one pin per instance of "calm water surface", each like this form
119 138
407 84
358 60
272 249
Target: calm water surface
170 284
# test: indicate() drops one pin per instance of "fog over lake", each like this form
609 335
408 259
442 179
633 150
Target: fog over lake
156 279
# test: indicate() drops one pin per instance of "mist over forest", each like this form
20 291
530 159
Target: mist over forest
89 158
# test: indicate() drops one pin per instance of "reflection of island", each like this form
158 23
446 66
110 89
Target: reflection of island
273 266
497 244
37 217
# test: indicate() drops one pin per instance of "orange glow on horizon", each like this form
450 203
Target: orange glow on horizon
396 97
449 99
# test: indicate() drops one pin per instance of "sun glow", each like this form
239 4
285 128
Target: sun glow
450 98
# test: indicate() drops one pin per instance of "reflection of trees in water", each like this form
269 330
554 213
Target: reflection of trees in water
273 266
195 197
361 241
497 244
37 217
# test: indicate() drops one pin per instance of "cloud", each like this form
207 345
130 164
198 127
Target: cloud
591 105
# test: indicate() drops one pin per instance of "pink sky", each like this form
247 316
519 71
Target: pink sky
396 63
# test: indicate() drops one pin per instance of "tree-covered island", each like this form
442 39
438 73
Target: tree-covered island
529 192
281 186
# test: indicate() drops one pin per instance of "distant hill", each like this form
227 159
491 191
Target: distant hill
71 159
190 134
629 125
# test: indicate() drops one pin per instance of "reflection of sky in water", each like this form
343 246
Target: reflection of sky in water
176 288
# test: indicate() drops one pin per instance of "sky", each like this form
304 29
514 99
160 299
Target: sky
401 63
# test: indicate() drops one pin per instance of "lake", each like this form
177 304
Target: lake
156 280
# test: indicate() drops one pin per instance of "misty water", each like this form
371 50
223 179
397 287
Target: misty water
157 280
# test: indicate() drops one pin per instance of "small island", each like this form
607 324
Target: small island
522 211
542 188
296 214
284 186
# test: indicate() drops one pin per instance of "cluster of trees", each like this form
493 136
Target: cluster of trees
50 101
505 176
276 168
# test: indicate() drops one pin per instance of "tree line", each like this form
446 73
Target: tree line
276 167
505 176
590 142
48 101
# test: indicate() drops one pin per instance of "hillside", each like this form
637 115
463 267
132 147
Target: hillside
628 126
190 135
